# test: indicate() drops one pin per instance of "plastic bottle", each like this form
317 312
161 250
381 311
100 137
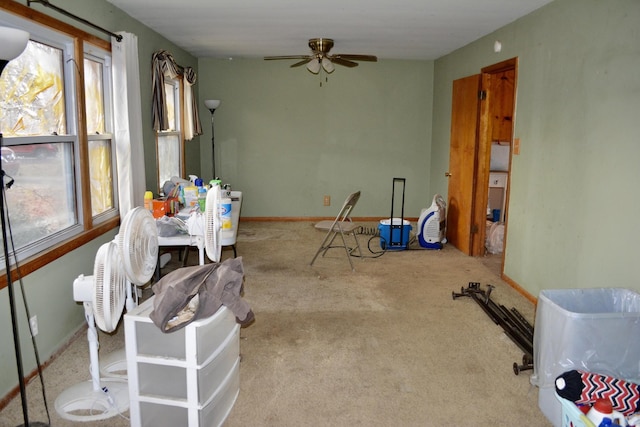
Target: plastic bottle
607 422
148 201
602 410
202 198
190 196
225 214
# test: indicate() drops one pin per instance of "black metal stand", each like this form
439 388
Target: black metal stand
12 304
12 299
512 321
213 144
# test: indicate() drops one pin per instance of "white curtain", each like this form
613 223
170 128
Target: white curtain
189 126
192 125
128 122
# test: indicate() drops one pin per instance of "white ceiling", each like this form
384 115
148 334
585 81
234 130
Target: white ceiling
390 29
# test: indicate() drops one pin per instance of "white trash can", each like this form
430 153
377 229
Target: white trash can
594 330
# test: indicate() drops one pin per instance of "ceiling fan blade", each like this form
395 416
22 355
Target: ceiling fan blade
320 58
370 58
269 58
304 61
343 62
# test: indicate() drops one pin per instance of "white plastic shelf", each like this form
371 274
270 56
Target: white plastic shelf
189 377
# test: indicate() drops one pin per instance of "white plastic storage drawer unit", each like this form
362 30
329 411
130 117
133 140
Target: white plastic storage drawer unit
189 377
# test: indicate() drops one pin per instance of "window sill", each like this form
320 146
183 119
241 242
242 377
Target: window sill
36 262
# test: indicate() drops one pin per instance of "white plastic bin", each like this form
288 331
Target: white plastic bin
594 330
189 377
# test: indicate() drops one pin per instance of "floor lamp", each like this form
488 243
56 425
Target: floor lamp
212 104
14 41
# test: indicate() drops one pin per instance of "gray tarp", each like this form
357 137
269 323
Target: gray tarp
192 293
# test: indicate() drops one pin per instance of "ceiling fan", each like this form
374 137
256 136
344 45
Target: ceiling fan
320 58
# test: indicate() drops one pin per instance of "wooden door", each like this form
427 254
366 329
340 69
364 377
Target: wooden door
462 162
502 88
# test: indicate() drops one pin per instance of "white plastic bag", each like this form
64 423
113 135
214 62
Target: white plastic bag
495 238
195 224
168 226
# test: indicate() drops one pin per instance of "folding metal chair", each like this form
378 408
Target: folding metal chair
341 226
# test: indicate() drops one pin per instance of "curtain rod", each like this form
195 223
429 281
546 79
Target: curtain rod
77 18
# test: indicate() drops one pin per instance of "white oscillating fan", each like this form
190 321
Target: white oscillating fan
103 297
212 224
137 242
138 245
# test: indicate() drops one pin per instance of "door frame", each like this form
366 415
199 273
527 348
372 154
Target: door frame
483 159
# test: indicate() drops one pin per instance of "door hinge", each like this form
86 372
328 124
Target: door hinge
474 228
482 95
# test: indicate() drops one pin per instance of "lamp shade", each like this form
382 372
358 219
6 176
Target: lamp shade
13 42
327 65
212 104
314 66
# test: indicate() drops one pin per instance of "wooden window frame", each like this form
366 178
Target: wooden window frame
90 231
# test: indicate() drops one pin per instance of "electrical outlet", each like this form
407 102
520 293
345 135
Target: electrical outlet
327 200
33 323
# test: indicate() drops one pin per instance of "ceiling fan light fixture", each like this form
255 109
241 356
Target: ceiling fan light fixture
314 66
327 65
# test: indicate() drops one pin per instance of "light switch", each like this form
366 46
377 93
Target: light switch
516 146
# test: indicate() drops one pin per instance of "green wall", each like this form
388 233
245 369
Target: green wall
285 140
49 295
573 210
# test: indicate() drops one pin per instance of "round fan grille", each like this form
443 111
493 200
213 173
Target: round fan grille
110 287
212 224
138 243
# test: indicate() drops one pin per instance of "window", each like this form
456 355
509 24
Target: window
97 90
53 199
170 142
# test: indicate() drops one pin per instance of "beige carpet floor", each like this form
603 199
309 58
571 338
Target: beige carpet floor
386 345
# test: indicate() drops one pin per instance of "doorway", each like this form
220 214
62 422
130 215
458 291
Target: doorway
482 116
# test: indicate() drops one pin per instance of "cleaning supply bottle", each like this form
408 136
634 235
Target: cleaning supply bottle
602 410
148 201
225 213
202 198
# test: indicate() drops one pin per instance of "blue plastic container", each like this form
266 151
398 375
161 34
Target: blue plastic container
394 238
572 416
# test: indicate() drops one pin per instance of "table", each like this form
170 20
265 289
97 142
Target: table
227 237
